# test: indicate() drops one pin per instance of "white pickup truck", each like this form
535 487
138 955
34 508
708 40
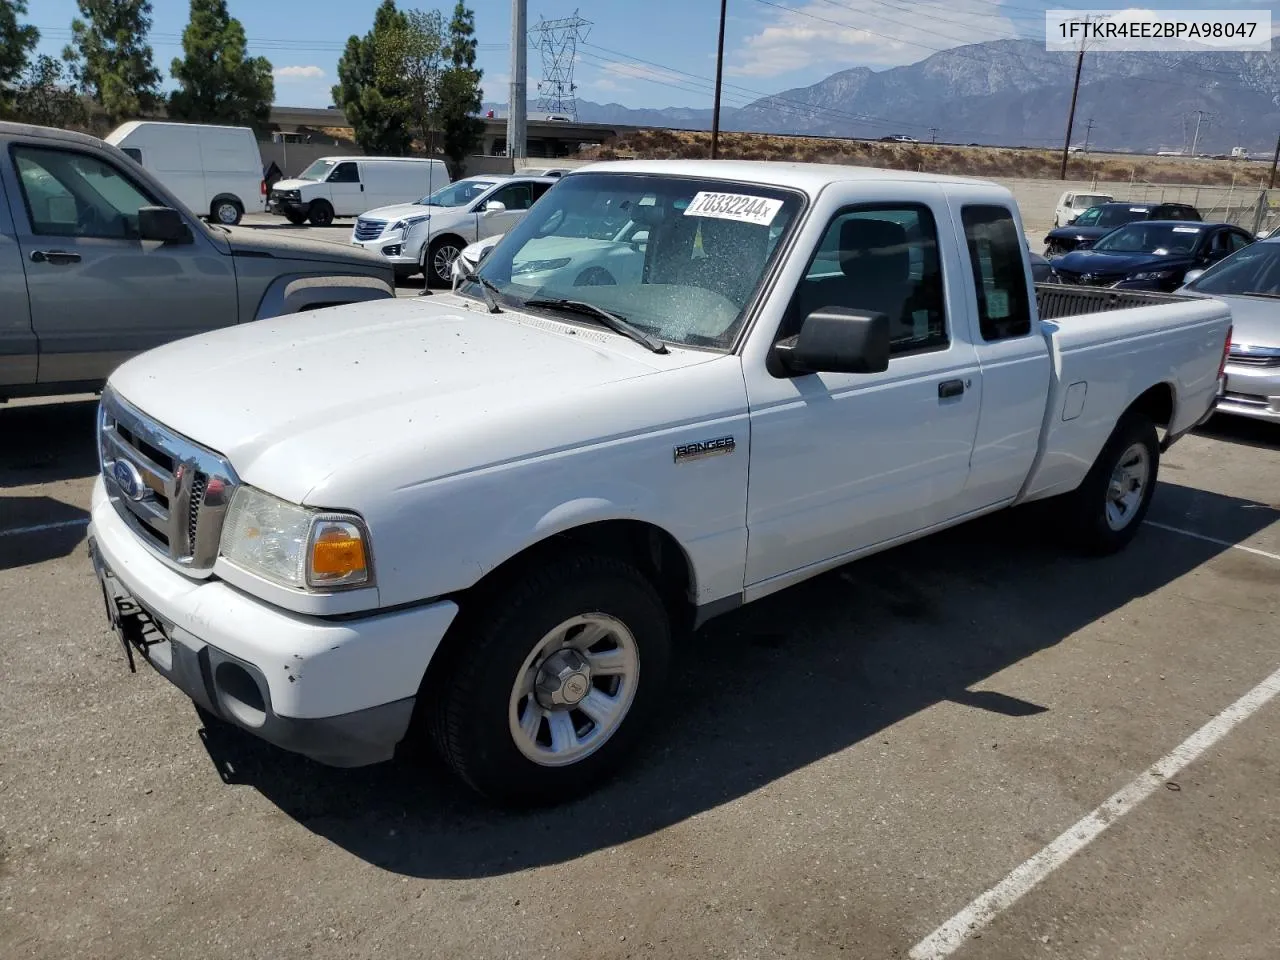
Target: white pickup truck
491 514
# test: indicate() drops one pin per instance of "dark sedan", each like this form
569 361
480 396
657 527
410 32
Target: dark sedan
1150 255
1097 222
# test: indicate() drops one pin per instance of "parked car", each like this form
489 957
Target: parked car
1151 254
1041 269
568 260
1071 204
99 261
1098 221
491 515
216 171
427 235
1248 281
348 186
898 138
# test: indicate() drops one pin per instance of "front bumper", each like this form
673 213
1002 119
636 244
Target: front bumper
299 208
1251 391
395 248
340 691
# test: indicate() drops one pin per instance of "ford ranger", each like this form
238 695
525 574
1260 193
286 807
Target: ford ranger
491 515
99 261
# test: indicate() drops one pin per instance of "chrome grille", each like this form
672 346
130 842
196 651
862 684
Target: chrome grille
1254 359
369 229
172 492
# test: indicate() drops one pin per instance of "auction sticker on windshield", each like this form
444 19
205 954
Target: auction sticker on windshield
733 206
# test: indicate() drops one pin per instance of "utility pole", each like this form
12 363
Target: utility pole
715 113
1087 131
933 134
1274 162
1195 141
517 110
1071 115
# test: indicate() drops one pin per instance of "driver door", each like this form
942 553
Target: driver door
516 197
98 294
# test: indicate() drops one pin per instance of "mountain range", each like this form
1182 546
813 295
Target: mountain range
1015 93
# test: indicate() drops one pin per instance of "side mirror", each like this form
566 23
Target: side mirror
1084 244
164 224
639 238
484 253
837 340
494 206
1191 275
1073 219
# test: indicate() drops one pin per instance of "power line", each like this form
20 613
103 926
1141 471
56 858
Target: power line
558 41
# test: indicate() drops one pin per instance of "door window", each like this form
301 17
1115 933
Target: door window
538 190
515 196
881 260
345 173
71 194
1238 241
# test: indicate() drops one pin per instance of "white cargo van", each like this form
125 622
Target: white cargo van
348 186
216 171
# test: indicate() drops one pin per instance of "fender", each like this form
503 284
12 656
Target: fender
294 293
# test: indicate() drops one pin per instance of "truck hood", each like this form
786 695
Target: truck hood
293 400
1255 321
1099 261
249 242
293 184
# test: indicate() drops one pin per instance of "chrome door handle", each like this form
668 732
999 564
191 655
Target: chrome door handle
56 257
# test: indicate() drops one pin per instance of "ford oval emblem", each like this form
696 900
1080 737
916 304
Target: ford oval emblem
128 479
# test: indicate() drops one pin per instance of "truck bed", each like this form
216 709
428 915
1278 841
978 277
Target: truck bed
1058 300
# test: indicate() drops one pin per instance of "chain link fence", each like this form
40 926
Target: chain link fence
1246 205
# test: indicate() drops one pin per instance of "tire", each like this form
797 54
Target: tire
227 211
438 262
320 214
297 219
405 273
1105 512
478 703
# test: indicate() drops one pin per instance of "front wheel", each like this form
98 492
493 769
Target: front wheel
321 214
437 263
1104 513
548 686
297 219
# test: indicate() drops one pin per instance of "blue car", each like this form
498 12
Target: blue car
1150 254
1096 222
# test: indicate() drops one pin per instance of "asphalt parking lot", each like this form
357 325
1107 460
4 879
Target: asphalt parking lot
844 768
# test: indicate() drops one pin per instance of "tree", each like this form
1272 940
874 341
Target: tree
411 58
110 58
460 101
217 83
46 95
16 42
374 109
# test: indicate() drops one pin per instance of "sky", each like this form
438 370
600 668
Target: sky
640 53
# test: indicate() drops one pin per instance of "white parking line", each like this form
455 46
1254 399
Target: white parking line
1221 543
78 522
955 932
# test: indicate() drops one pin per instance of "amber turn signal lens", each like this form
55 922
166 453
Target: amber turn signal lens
338 554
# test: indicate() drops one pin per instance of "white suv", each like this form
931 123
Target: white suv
428 235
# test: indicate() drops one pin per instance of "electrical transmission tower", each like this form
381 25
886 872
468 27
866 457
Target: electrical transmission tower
558 42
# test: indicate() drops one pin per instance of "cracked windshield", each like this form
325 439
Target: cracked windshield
680 259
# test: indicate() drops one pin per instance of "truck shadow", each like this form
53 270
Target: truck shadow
1243 430
47 442
766 691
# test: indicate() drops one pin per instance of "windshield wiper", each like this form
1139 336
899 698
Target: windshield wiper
611 320
487 288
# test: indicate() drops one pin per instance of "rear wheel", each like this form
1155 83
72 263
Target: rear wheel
546 689
1104 513
227 211
321 214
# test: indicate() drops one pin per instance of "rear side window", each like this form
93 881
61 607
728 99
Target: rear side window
133 153
539 189
995 253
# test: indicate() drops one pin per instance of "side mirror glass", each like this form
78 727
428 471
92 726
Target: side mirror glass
484 253
837 340
1192 275
164 224
493 207
639 238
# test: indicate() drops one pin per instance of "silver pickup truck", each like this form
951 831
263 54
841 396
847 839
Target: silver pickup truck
99 262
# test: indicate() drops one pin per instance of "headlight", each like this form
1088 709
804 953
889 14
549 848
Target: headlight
1151 275
295 546
410 222
537 266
